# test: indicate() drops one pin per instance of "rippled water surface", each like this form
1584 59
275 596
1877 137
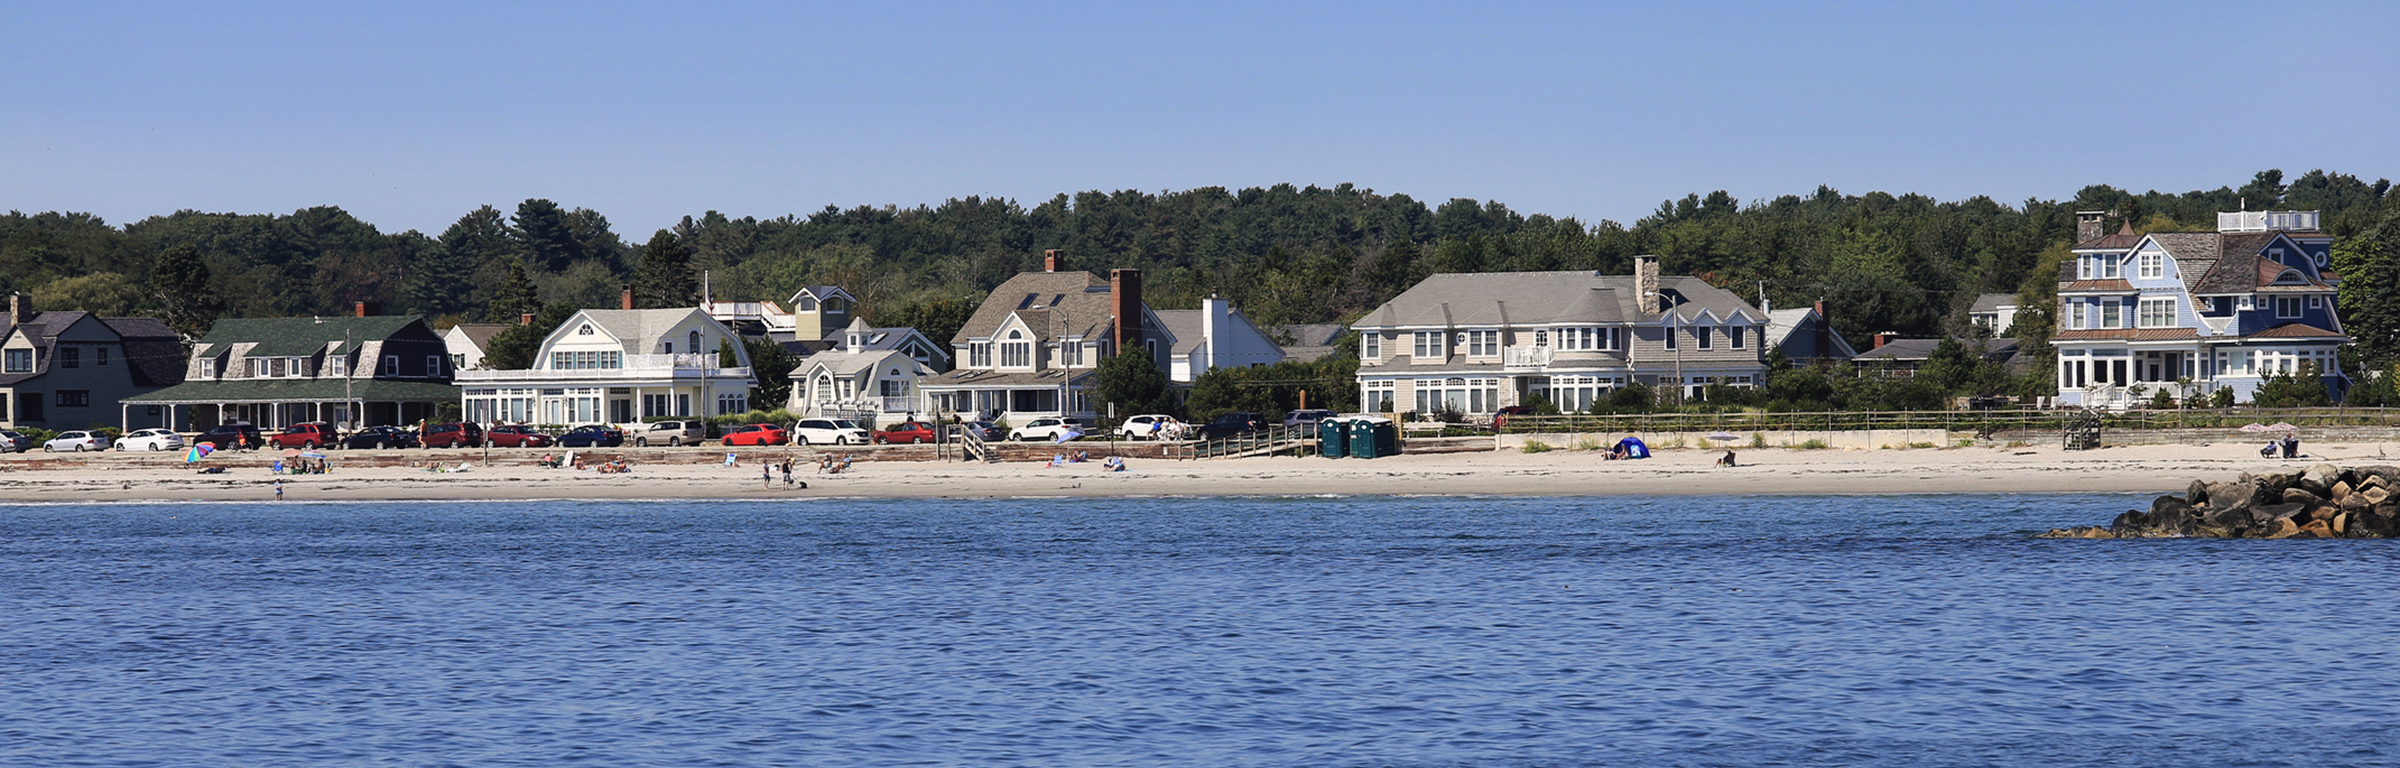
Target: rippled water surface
1270 631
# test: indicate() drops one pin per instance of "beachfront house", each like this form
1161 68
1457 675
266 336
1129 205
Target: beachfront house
467 343
1806 336
1214 336
366 369
618 366
859 380
73 370
1474 343
2219 310
1034 347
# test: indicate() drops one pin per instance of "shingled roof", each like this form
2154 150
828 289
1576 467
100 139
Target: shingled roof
298 336
1052 303
1545 298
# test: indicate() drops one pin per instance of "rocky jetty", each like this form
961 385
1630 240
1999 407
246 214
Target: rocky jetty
2323 501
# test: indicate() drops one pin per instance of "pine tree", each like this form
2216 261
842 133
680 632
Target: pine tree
665 280
514 297
181 282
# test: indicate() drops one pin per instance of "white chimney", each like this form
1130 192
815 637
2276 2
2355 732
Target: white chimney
1215 313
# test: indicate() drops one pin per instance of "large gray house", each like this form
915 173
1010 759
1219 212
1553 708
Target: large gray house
1474 343
72 370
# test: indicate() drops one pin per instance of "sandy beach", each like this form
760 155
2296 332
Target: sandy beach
700 474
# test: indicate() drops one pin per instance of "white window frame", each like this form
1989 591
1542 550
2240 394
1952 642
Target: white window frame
2279 304
2153 265
2314 302
1671 334
2155 312
979 354
1370 345
1430 344
1483 343
2112 314
2111 267
1734 334
2083 267
1705 336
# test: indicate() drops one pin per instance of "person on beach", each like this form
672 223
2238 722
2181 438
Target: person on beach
1727 459
766 475
787 474
279 490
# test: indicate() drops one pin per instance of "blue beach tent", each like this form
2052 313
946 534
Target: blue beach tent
1633 448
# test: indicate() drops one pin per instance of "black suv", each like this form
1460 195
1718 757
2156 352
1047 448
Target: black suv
1230 424
230 436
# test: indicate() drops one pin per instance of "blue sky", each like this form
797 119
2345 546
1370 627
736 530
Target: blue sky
412 114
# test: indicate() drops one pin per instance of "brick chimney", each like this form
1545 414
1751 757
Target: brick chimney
1125 307
1824 333
2090 225
20 308
369 308
628 297
1052 261
1882 339
1645 283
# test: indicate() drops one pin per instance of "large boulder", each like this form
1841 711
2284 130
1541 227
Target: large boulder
2280 528
2235 496
2390 475
2319 479
2278 480
2302 496
2272 512
2197 493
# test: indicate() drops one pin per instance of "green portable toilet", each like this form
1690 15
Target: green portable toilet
1373 437
1333 438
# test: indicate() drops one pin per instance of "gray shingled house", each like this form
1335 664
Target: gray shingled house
1474 343
71 370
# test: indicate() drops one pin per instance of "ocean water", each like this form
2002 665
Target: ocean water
1786 631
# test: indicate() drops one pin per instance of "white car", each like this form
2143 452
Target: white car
1046 429
1151 425
828 432
77 441
152 439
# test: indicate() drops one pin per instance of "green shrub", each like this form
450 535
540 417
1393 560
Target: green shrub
1537 446
1812 444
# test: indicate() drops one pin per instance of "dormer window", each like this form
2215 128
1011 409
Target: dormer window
2083 267
805 304
2277 255
979 354
208 369
1705 335
2111 268
1016 352
2153 265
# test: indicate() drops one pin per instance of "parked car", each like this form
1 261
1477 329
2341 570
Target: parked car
1306 416
381 437
516 436
673 432
11 442
828 432
984 431
1046 429
456 434
152 439
1231 423
592 436
1151 425
77 441
307 434
754 434
906 432
226 437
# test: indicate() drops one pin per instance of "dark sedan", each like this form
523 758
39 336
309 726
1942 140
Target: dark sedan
592 436
381 437
985 431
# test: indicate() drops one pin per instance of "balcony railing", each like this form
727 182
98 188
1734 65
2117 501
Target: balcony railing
2264 221
636 367
1528 357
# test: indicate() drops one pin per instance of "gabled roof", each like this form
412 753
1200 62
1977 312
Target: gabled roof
1992 302
638 330
480 334
849 363
1782 323
1532 299
2128 334
1922 349
2122 240
299 336
1052 303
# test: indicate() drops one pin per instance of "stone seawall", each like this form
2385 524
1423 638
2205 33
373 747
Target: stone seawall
2322 501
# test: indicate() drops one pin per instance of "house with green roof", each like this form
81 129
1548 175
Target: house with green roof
276 371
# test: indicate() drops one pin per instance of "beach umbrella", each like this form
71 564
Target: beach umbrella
312 454
1068 435
197 453
2282 427
2254 427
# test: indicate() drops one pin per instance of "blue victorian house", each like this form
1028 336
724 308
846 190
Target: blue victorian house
2221 310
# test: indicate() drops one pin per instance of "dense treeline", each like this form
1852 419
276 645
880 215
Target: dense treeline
1284 254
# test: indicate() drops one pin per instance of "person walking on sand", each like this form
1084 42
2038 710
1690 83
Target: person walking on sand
787 474
766 475
279 490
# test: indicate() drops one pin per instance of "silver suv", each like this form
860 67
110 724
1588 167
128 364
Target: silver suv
672 433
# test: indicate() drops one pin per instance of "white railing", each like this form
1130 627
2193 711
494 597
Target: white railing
2263 221
1528 357
627 373
867 405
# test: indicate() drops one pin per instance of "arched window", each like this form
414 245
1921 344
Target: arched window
696 343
